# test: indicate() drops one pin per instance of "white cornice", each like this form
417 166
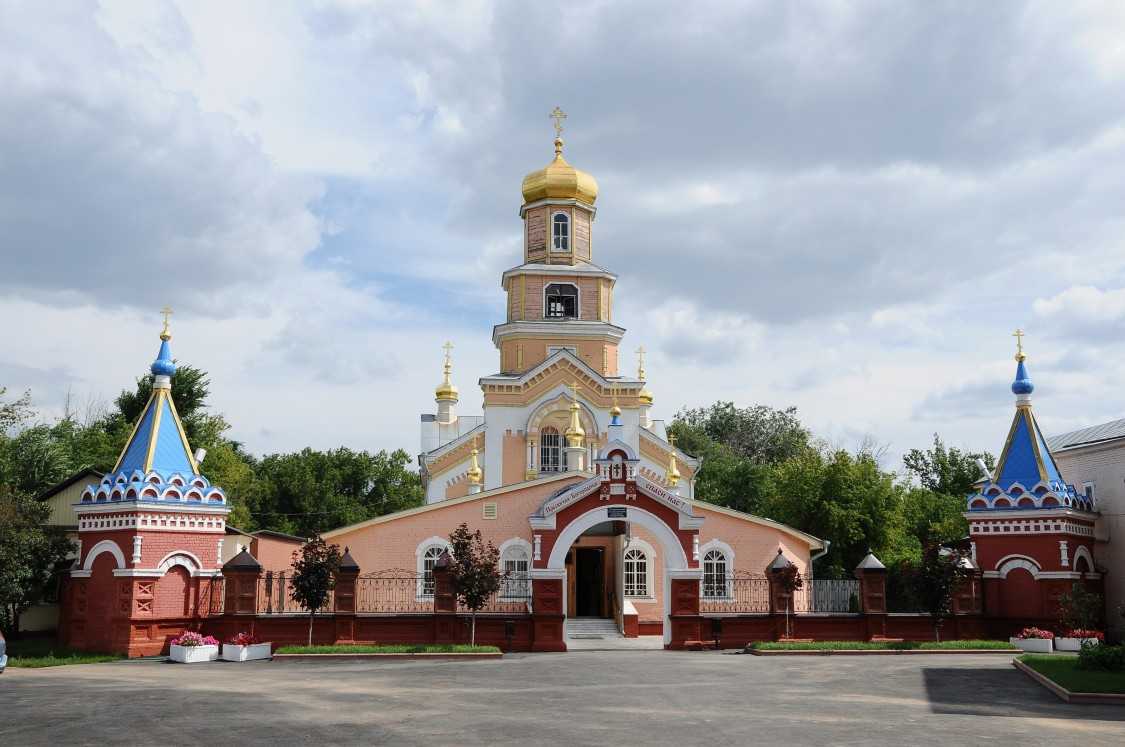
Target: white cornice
992 514
558 328
559 201
583 269
148 507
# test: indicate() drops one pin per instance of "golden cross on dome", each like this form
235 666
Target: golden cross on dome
574 389
641 362
558 115
1019 334
166 312
672 439
448 348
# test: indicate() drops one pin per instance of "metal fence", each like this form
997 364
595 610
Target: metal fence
394 592
211 597
827 595
513 598
275 596
733 595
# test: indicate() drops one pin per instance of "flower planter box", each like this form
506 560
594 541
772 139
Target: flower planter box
194 654
1032 645
1073 644
233 652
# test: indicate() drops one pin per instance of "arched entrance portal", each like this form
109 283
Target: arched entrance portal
588 557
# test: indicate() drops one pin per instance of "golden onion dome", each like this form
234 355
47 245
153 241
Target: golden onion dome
574 432
475 473
644 396
559 180
445 390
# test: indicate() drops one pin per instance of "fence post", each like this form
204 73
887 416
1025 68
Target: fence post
240 581
872 575
344 599
446 629
780 599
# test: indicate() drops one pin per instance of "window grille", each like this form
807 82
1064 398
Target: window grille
429 559
636 573
550 446
715 575
562 301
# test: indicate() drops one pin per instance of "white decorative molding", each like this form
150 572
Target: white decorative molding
104 546
181 558
723 547
1064 559
219 553
1010 562
538 546
137 539
1083 552
674 556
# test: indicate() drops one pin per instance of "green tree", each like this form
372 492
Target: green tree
474 572
842 497
30 554
934 579
314 575
310 491
946 470
738 447
15 412
1080 608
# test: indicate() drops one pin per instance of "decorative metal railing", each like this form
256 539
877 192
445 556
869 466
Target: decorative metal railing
827 595
513 598
275 596
394 592
734 595
211 596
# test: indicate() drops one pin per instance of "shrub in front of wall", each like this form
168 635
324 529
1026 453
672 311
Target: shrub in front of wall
1100 657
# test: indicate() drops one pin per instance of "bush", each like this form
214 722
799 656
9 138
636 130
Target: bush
1100 657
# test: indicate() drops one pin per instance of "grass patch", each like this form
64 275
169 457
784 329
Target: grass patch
877 645
444 648
1063 670
33 653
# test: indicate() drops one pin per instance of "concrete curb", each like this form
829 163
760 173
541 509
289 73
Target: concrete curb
1066 695
399 657
883 651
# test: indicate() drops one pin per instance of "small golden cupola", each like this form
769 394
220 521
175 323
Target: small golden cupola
558 180
445 394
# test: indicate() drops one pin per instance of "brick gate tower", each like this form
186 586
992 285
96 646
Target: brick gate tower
150 536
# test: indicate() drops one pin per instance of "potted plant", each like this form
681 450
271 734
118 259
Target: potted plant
192 647
1074 639
245 647
1033 640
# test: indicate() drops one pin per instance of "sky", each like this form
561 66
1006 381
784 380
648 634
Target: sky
846 207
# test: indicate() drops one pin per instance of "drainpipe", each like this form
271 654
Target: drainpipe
821 554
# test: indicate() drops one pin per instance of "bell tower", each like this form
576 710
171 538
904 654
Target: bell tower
558 298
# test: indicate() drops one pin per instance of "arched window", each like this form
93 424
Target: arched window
636 573
515 564
560 233
429 559
715 575
561 301
550 446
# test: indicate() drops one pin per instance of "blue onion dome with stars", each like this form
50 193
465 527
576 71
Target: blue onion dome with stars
157 463
1026 476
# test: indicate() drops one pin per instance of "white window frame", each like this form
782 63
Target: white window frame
722 550
568 239
577 301
557 450
441 545
552 349
515 550
650 564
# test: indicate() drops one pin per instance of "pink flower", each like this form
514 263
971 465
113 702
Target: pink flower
244 639
1086 633
190 638
1034 633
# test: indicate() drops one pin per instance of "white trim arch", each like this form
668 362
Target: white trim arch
674 556
676 563
1009 563
1083 552
559 402
104 546
181 558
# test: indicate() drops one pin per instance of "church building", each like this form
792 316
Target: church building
566 471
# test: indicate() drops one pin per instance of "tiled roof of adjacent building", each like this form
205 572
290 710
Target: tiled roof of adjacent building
1093 434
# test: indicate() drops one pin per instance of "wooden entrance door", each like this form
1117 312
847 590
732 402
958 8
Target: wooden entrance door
589 586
